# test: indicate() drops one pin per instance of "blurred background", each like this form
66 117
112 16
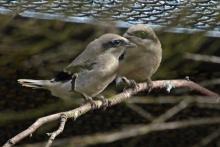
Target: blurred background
39 48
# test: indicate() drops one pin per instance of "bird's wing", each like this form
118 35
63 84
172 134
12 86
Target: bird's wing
84 59
86 65
69 71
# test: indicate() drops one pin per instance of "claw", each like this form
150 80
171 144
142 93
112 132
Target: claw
133 84
130 83
93 104
105 102
122 83
91 101
149 85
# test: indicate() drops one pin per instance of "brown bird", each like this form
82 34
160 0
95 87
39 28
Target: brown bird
89 73
140 63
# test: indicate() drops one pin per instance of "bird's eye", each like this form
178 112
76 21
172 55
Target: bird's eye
142 34
116 42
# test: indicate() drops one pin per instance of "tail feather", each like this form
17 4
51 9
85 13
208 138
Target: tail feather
34 83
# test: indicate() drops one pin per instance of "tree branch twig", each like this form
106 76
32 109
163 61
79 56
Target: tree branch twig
137 130
113 136
204 58
143 113
208 139
54 134
75 113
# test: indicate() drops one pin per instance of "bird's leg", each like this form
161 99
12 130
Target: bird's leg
91 101
130 83
149 85
122 83
105 102
74 76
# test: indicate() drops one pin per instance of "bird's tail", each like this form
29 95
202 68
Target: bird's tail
44 84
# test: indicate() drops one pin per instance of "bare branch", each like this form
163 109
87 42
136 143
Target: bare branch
208 106
143 113
204 58
75 113
138 130
173 111
210 82
208 139
58 131
35 113
185 84
113 136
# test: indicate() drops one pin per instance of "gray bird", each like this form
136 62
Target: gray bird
90 73
140 63
93 49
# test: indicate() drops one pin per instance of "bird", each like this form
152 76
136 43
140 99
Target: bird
89 73
140 63
93 49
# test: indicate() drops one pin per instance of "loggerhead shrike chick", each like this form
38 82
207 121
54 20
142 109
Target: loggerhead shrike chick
140 63
93 49
90 75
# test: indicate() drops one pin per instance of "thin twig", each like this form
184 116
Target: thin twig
75 113
208 139
53 135
210 82
204 58
134 130
208 106
143 113
15 116
173 111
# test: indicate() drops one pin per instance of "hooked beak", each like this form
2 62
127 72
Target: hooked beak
127 35
130 45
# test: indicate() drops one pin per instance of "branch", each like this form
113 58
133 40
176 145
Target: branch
75 113
141 130
211 82
204 58
208 139
113 136
172 111
35 113
58 131
143 113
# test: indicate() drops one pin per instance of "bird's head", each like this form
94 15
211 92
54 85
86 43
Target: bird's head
115 44
141 34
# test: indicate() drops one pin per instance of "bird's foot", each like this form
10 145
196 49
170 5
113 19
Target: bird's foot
130 83
149 85
105 102
92 102
123 83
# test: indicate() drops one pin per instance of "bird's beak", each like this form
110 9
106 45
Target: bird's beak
130 45
127 35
